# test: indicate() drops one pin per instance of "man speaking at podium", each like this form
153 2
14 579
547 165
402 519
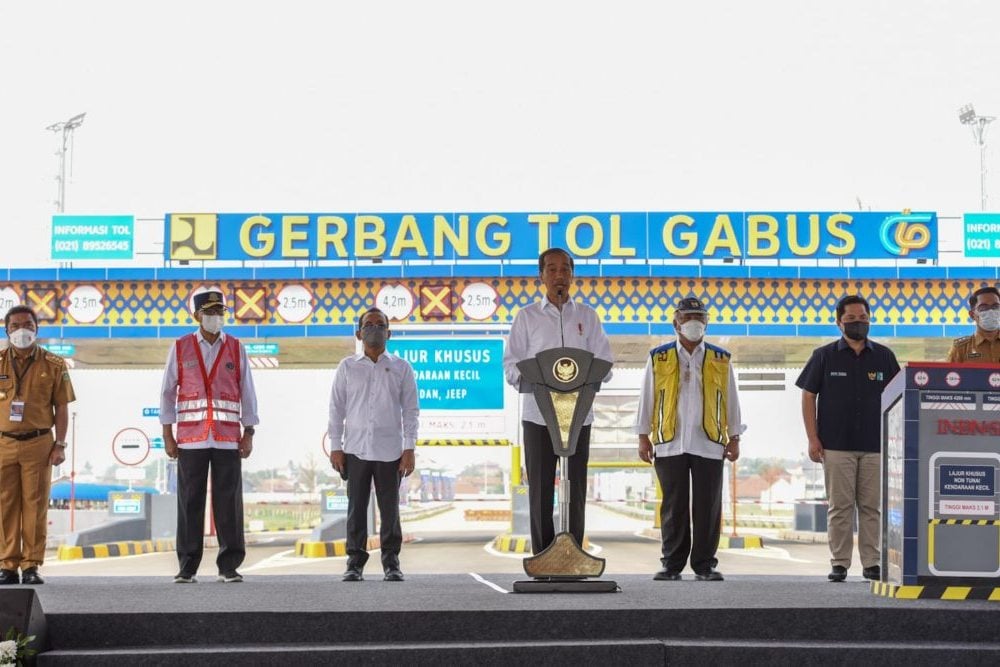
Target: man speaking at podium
554 321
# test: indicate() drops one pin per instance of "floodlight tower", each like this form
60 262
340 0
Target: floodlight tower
66 127
967 116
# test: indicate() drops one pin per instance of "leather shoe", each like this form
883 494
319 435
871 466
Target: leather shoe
874 573
667 575
393 574
9 577
30 577
710 575
353 574
837 573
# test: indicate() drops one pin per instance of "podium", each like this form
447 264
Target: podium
940 461
563 381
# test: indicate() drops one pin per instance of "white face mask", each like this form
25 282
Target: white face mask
22 338
693 330
212 323
989 320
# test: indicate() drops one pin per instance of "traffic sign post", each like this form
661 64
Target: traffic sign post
130 447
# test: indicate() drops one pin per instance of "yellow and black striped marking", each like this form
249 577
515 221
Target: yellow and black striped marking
333 548
464 442
515 544
742 542
114 549
964 522
935 592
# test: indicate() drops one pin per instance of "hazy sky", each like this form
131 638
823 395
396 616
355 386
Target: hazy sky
514 105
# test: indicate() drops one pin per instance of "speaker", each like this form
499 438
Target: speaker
20 609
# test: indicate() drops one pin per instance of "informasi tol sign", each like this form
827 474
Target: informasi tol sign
455 373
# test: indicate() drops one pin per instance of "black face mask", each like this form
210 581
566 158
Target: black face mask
856 330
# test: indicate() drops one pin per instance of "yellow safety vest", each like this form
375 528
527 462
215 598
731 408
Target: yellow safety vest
666 384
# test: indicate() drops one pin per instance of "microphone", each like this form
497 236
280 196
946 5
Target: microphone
562 334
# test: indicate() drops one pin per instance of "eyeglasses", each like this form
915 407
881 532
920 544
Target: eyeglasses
984 307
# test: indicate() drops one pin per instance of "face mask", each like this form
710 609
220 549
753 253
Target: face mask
989 320
374 336
212 323
856 330
693 330
22 338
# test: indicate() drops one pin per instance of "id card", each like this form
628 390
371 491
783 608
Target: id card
17 411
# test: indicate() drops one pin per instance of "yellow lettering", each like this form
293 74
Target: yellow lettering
689 238
793 236
833 226
571 241
617 250
762 228
502 239
408 236
723 236
289 235
324 238
543 220
369 228
458 240
265 239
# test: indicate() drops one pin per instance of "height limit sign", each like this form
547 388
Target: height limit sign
130 446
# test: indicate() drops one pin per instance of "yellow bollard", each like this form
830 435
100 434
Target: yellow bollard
515 465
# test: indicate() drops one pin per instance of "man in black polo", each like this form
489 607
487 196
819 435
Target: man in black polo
844 431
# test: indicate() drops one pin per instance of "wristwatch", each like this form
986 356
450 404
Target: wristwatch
60 443
249 429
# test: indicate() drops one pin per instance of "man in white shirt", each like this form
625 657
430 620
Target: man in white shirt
688 421
373 432
537 328
208 392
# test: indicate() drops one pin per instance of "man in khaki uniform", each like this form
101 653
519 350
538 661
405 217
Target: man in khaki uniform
35 391
983 346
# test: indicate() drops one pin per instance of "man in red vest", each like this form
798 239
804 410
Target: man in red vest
208 392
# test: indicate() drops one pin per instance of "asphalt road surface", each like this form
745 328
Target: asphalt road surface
448 544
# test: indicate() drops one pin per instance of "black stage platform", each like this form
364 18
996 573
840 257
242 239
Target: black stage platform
460 619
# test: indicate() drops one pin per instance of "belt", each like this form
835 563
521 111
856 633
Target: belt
25 435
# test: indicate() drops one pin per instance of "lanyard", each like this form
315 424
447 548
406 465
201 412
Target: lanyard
19 375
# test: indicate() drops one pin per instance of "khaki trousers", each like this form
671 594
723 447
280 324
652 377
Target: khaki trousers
25 477
852 480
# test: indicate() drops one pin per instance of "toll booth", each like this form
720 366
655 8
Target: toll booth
940 457
132 515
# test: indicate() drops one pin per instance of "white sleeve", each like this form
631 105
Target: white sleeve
644 415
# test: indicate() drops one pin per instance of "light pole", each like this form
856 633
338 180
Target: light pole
967 116
66 127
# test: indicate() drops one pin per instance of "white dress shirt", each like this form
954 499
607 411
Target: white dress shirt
373 407
689 437
536 328
209 351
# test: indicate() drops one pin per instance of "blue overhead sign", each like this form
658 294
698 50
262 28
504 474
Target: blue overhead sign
60 349
661 235
79 237
982 234
455 373
261 349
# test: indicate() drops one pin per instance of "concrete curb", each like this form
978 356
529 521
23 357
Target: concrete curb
334 548
114 549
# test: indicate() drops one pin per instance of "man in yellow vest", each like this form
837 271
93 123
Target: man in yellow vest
688 422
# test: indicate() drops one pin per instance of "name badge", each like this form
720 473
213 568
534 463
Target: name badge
17 411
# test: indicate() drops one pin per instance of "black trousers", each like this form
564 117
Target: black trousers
227 507
360 475
685 479
542 464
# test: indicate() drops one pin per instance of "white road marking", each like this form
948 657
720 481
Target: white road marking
498 589
775 553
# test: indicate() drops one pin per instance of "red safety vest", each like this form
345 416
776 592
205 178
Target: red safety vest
208 400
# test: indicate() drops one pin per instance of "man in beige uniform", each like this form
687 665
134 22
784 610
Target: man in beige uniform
983 346
35 391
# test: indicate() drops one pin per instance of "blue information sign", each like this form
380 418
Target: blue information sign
76 237
455 374
967 480
150 412
261 349
61 349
